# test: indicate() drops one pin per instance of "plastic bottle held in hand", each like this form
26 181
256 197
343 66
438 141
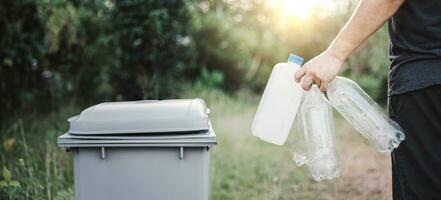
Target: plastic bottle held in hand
364 114
319 132
279 104
299 148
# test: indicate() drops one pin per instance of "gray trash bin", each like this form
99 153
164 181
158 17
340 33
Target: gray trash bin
141 150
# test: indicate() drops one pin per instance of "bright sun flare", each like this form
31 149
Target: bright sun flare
299 8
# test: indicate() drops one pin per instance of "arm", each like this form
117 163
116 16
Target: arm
367 18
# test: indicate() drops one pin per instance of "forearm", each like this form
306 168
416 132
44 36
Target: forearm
367 18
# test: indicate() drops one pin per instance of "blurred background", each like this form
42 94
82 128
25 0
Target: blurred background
58 57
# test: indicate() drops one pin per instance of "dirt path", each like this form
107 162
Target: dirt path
366 173
262 171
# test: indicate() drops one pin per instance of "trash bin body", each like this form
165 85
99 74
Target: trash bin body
141 165
141 173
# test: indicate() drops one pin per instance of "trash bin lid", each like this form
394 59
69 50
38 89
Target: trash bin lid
148 116
190 139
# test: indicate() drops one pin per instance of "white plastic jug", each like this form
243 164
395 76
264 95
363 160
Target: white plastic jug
318 125
364 114
279 104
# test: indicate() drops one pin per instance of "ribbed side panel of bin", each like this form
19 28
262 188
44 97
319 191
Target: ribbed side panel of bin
141 150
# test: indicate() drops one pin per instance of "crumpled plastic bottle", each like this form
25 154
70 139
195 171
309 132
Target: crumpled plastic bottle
364 114
319 133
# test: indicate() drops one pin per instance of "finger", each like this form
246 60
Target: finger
324 86
299 74
317 81
307 82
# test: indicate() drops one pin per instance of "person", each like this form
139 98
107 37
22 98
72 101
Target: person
414 94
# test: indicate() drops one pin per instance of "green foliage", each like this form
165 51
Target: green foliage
91 51
7 179
211 79
20 47
33 166
6 174
153 46
88 51
230 39
245 42
369 66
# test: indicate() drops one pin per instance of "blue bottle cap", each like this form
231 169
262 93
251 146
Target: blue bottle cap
295 59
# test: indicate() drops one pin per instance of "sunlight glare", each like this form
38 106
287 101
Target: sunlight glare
301 9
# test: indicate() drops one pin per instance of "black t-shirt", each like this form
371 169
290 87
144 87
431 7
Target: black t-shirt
415 46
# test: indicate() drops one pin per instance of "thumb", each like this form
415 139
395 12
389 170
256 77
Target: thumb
299 74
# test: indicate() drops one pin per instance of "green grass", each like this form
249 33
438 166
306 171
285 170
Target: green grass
242 166
29 152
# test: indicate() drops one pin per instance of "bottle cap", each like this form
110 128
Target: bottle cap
295 59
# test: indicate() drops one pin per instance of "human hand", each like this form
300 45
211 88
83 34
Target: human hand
319 70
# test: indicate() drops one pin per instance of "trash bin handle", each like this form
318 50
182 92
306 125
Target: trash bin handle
103 153
181 153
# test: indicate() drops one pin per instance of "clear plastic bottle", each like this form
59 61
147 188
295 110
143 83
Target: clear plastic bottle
299 148
319 133
364 114
279 104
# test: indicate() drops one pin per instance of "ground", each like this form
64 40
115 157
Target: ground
243 167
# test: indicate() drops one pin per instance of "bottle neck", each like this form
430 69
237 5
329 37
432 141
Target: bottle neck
294 64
